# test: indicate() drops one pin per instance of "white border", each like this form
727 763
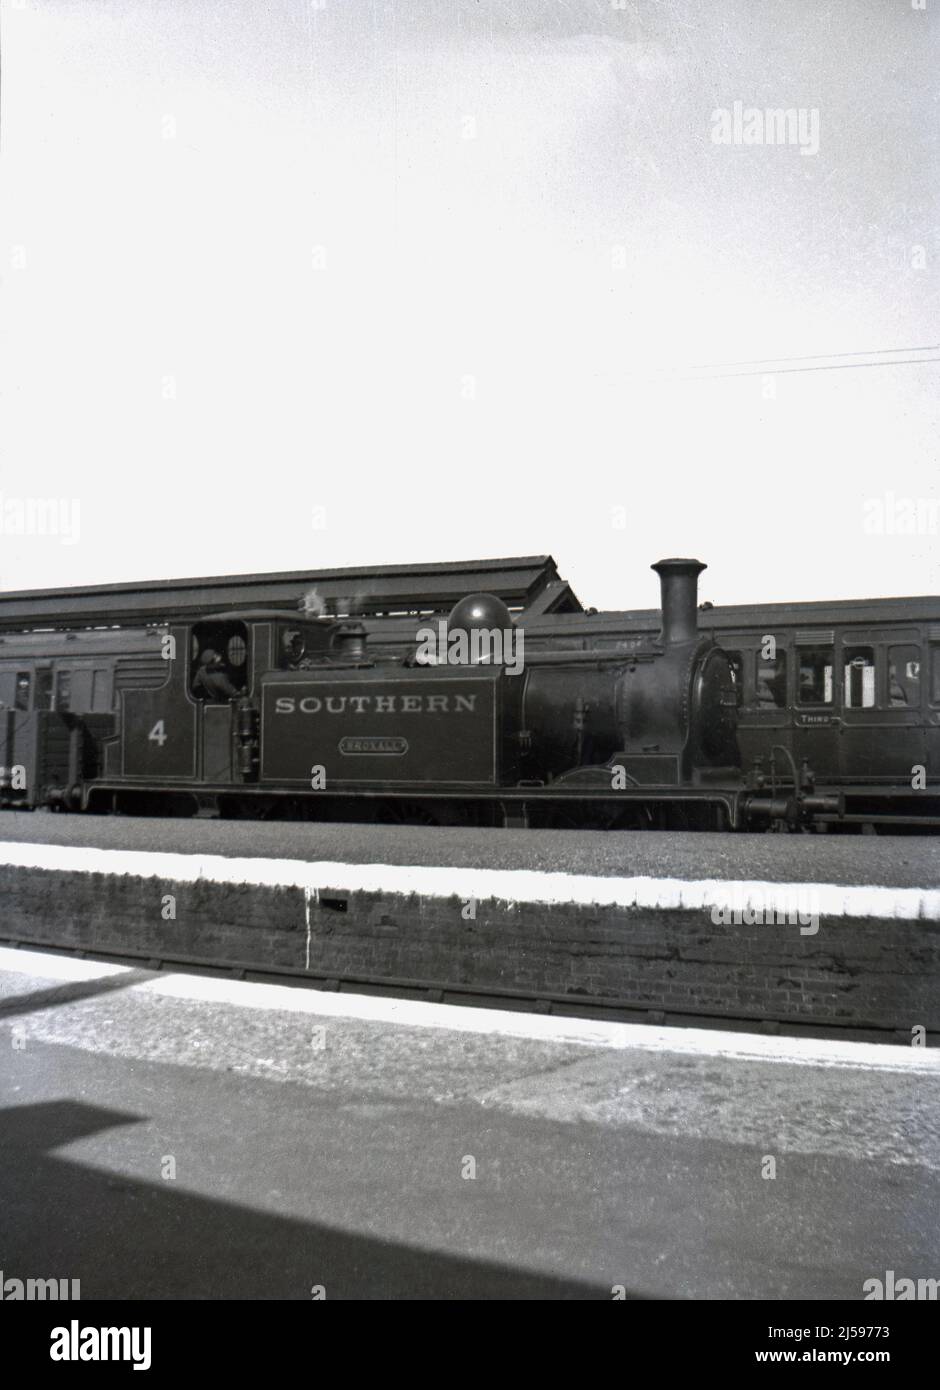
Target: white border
514 886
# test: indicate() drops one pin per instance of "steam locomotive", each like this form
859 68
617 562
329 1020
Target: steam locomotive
266 712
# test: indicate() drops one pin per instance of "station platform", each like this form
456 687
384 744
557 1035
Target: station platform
171 1136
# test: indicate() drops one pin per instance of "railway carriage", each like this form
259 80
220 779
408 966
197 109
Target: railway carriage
852 687
59 693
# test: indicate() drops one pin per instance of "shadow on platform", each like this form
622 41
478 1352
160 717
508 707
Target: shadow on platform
129 1239
12 1006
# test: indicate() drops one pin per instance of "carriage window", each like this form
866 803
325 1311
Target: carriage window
44 690
904 676
63 690
22 689
816 676
100 702
935 673
771 681
859 687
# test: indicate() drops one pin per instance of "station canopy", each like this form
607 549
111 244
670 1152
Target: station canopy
527 585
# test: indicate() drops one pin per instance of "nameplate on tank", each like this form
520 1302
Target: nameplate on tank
351 747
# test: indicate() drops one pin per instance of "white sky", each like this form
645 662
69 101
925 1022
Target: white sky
168 169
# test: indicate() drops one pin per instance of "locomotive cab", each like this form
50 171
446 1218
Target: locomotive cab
196 723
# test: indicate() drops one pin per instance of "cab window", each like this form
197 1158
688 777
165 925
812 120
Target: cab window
815 682
293 647
219 661
859 677
300 644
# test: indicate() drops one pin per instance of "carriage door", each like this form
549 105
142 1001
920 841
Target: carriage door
760 666
17 735
817 729
217 679
932 708
33 694
883 735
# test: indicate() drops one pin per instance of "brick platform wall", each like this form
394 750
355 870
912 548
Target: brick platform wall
862 972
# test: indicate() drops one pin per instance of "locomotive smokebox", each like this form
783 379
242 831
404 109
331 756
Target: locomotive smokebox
679 583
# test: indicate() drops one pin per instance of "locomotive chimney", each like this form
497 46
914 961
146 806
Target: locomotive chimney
679 582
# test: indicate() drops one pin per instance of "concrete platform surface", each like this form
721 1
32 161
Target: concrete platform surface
172 1136
901 861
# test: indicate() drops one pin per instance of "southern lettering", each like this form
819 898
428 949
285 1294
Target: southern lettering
375 704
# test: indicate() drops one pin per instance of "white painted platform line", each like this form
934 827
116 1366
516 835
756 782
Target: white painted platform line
457 1018
505 885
